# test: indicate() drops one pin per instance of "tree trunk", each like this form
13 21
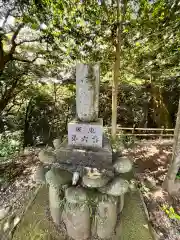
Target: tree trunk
27 136
116 74
175 162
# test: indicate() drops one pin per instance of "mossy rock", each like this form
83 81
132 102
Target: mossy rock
123 165
47 156
97 182
77 220
106 217
116 187
58 177
76 195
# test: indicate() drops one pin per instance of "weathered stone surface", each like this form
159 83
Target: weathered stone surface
39 175
57 177
4 212
55 203
106 217
87 91
75 178
85 134
122 165
57 143
75 195
77 220
132 185
95 181
121 203
47 156
116 187
96 157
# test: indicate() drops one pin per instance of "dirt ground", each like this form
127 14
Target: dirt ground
151 160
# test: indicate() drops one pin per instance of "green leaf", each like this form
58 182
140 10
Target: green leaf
98 22
138 44
34 26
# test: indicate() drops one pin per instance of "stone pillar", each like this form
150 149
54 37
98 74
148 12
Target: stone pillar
76 214
55 201
87 129
87 92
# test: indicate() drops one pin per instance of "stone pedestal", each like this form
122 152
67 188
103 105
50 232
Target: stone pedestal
83 156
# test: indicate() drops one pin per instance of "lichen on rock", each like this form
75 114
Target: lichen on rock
75 195
77 220
106 217
47 156
57 143
95 182
122 165
58 177
55 203
116 187
39 175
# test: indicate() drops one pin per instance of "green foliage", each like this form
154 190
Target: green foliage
9 144
170 212
86 31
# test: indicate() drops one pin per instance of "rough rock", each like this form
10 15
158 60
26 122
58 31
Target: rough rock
122 165
75 178
55 203
106 217
57 143
4 212
57 177
6 226
117 187
132 185
121 203
75 195
77 220
39 175
95 181
47 156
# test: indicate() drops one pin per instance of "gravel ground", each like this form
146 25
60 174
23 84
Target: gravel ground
17 180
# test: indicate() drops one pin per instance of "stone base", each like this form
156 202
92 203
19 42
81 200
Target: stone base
83 156
86 134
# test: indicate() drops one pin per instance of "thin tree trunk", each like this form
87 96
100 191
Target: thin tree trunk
116 75
117 64
175 162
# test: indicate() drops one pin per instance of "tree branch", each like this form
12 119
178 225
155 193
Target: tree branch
29 41
105 7
14 38
25 60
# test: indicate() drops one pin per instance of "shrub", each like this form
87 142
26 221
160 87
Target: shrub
10 143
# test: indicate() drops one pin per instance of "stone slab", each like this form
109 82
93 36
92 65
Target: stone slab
89 157
85 134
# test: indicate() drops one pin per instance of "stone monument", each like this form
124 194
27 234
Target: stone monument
86 145
86 190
